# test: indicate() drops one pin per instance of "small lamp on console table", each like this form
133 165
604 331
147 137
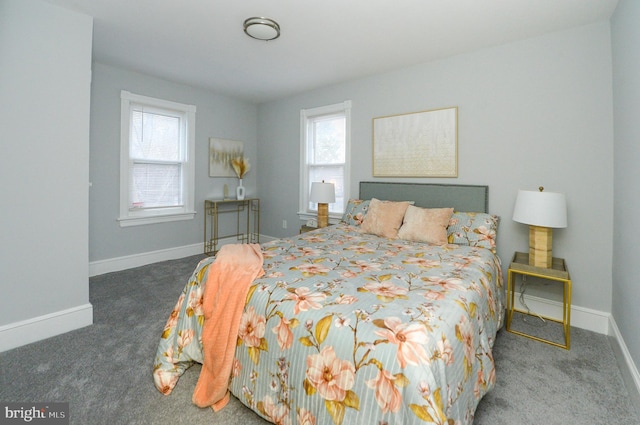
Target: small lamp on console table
542 211
324 194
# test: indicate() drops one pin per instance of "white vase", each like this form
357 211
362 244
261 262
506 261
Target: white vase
240 190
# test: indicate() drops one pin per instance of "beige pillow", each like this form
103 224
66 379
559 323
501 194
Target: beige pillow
384 218
426 225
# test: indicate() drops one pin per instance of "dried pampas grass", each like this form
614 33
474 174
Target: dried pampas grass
241 166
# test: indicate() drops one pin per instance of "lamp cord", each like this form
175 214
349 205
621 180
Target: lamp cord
523 288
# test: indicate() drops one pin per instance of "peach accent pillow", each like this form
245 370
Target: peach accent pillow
426 225
384 218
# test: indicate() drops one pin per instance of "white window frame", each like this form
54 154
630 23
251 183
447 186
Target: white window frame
304 212
132 216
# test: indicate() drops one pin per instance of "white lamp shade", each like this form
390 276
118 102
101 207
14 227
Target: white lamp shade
322 192
544 209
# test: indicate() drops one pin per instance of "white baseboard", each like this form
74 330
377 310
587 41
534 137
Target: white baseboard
626 363
25 332
581 317
136 260
35 329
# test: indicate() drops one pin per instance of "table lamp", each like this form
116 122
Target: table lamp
542 211
324 194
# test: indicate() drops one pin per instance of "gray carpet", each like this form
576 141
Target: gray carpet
104 371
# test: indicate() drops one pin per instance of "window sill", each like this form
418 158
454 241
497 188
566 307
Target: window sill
152 219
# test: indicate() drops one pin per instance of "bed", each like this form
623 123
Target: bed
350 327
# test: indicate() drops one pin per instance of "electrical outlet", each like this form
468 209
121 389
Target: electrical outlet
284 224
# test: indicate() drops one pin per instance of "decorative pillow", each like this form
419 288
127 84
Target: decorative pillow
384 218
473 229
426 225
355 211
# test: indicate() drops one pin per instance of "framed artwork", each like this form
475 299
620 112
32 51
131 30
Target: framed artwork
221 152
418 144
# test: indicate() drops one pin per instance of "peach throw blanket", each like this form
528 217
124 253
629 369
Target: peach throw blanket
225 293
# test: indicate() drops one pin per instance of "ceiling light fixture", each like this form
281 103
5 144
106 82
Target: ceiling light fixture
262 28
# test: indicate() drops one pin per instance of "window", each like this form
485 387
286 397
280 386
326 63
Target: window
157 166
325 139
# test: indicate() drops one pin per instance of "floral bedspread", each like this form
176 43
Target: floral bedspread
350 328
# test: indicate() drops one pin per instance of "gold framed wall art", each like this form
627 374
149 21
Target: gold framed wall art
221 152
417 144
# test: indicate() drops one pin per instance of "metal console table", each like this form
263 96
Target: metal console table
247 212
557 273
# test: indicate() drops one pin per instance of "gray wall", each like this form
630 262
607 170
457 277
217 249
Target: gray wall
625 34
216 116
45 74
531 113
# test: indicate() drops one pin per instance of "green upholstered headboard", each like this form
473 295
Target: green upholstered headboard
462 197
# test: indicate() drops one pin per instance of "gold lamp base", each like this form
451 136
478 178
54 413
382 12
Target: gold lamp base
540 242
323 214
